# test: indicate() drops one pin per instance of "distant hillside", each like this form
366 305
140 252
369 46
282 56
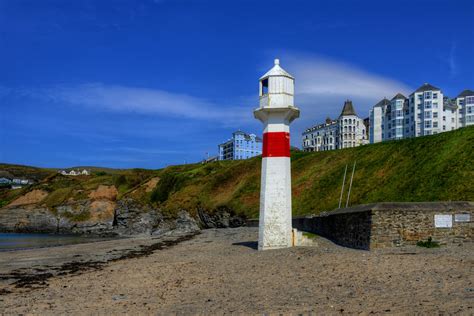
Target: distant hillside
431 168
20 171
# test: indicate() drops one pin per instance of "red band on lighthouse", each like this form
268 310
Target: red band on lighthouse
276 144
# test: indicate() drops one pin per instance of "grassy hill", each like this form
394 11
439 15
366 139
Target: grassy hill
431 168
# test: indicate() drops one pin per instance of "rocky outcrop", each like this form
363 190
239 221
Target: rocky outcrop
28 219
132 218
222 217
95 217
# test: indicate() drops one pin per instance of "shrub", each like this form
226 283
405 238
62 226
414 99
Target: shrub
169 183
428 244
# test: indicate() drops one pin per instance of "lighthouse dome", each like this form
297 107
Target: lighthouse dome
277 88
277 71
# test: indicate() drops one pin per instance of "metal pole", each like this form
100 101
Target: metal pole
342 189
350 185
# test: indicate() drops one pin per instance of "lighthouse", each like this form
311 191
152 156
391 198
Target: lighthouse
276 112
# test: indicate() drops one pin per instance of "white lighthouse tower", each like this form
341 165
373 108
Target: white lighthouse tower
276 112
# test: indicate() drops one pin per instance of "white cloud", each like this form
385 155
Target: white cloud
141 100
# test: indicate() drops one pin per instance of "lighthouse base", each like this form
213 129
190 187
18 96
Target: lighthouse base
275 230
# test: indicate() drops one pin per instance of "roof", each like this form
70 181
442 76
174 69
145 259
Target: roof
348 108
246 136
382 102
427 87
465 93
276 71
399 96
319 126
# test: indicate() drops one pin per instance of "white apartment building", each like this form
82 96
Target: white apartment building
465 103
345 132
425 112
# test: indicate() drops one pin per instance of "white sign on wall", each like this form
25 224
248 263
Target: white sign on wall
443 221
462 217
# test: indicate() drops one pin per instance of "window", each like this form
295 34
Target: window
264 86
427 114
444 118
435 95
470 100
427 104
407 120
427 124
428 95
418 106
435 124
444 127
435 114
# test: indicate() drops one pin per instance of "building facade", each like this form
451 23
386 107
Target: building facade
240 146
425 112
465 103
347 131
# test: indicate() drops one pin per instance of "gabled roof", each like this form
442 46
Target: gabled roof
348 108
427 87
276 71
399 96
465 93
382 102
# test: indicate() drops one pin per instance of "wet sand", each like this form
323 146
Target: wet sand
219 271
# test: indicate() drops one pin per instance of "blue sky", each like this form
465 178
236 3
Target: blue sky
151 83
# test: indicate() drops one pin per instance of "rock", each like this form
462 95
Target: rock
28 220
185 223
104 192
132 218
222 217
97 217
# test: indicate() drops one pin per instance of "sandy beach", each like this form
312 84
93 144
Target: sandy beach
220 271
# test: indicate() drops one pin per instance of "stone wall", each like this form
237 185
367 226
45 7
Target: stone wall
384 225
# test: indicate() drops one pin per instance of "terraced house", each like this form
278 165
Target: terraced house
240 146
347 131
426 111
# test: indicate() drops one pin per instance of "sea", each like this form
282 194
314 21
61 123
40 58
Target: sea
13 241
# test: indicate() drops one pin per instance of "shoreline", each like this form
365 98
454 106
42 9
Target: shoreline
73 259
84 239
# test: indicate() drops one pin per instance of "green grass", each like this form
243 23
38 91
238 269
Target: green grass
310 235
428 244
431 168
58 197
